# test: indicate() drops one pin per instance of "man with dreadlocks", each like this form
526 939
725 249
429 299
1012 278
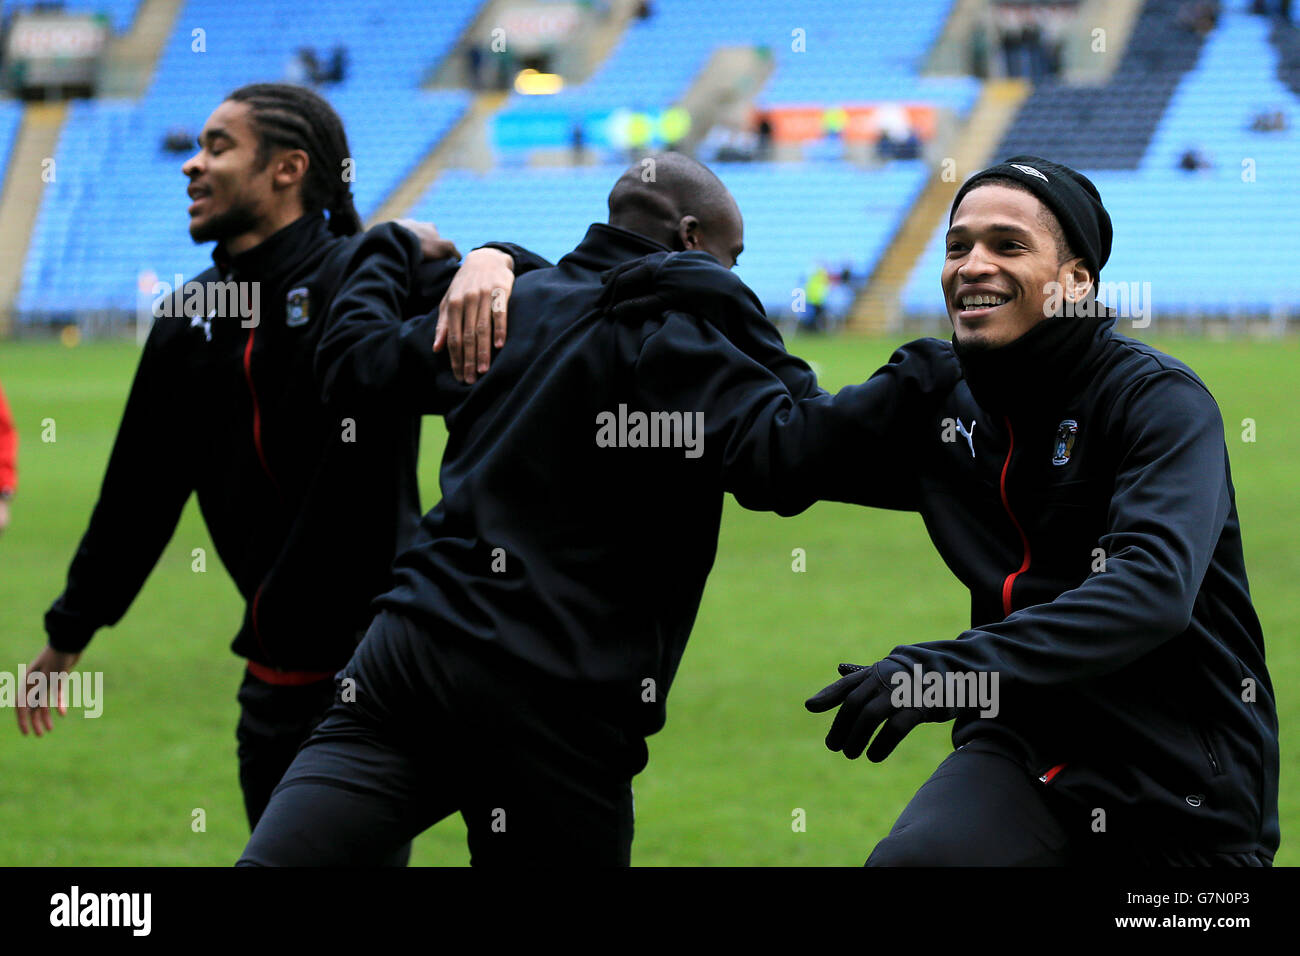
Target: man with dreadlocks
307 500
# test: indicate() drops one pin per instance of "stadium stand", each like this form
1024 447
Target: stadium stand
1286 38
796 215
869 52
113 171
882 47
1108 127
1172 90
1193 235
120 13
11 115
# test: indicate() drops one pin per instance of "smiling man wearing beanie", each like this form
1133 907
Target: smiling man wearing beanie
1111 699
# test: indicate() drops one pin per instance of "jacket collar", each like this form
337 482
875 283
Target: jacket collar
607 246
275 254
1046 366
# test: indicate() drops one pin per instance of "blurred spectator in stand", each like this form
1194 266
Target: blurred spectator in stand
178 140
505 69
474 55
1199 16
815 291
640 130
834 120
897 140
979 52
1269 121
724 144
644 10
1010 40
1055 22
8 461
337 71
1030 38
1032 42
839 299
304 68
674 126
578 140
764 137
1193 160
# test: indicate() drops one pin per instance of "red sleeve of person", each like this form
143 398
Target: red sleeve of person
8 450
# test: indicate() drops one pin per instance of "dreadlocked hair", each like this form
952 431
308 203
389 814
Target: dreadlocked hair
294 117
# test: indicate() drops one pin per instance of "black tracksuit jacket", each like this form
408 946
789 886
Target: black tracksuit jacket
584 564
307 501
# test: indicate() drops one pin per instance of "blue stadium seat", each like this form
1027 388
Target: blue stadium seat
112 171
796 215
863 52
11 115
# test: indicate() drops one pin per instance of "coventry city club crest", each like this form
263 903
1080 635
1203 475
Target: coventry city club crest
1065 434
297 308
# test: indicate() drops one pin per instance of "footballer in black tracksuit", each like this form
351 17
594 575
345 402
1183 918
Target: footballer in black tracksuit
1077 482
1092 515
539 617
307 503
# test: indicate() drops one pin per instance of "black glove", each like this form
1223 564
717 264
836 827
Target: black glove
865 698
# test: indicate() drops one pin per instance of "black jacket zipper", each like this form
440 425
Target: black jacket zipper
1204 737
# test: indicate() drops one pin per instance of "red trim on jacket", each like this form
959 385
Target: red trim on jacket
257 412
1024 565
281 678
8 448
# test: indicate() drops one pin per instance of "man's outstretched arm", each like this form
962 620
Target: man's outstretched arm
148 479
1169 507
778 454
370 352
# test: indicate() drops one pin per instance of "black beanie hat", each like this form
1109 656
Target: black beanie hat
1069 194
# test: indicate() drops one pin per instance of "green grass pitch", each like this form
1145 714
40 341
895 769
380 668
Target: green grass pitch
739 754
